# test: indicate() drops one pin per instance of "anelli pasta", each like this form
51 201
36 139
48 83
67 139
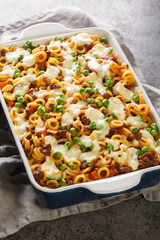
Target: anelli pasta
77 110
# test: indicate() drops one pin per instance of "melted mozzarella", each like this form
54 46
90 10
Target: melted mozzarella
71 89
116 106
20 89
134 122
124 92
52 72
40 125
133 158
94 114
104 128
29 60
28 79
121 157
81 39
86 140
74 110
20 127
91 154
149 137
100 51
114 142
101 69
13 56
51 140
8 70
51 170
72 154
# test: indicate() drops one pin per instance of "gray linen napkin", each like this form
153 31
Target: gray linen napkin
18 204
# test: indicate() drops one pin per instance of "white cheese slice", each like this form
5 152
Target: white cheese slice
124 92
100 51
133 158
13 56
133 121
29 60
8 70
51 170
52 72
82 38
116 106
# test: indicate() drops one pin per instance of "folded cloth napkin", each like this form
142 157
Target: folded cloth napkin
18 204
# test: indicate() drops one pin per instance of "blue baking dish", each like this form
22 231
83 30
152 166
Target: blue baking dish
82 192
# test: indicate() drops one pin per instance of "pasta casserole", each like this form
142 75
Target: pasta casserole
77 110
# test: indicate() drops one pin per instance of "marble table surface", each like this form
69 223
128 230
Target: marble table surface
139 23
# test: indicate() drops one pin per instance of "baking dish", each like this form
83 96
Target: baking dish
90 190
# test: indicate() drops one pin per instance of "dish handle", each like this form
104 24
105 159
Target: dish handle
116 184
43 30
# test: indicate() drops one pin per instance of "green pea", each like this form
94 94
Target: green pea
90 100
57 58
110 50
74 53
107 120
54 108
73 131
148 129
89 163
154 133
18 105
114 115
57 154
85 72
139 118
58 39
154 126
62 95
78 69
60 101
95 55
20 99
145 149
41 110
46 115
71 165
63 167
18 74
93 124
63 127
91 146
99 103
76 140
83 147
103 40
158 142
17 71
135 98
109 147
88 90
62 182
108 82
81 90
90 83
21 56
68 145
134 129
95 91
83 55
41 72
60 108
139 153
75 60
105 102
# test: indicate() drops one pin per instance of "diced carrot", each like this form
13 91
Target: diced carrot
3 84
93 161
10 103
44 132
93 175
111 171
33 107
120 68
90 46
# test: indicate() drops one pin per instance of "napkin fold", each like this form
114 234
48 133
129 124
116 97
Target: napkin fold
18 202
